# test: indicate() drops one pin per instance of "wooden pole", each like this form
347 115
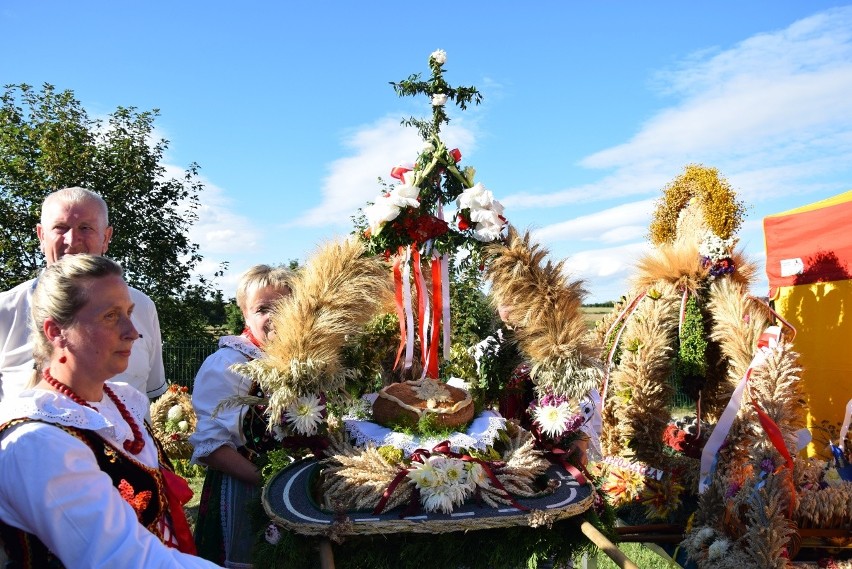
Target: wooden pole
326 554
606 546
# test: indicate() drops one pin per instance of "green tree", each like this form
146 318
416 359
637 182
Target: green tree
47 142
234 321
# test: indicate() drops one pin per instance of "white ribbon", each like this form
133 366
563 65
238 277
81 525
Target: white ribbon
427 311
767 342
445 302
406 306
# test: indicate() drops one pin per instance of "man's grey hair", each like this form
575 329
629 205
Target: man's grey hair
75 195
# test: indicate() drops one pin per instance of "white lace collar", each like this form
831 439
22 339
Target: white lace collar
52 407
242 344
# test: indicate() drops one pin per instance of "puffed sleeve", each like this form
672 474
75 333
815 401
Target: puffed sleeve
51 486
214 383
156 385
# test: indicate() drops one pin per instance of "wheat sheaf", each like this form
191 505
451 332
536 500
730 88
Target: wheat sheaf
546 313
334 296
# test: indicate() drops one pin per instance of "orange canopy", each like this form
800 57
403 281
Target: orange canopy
809 244
809 265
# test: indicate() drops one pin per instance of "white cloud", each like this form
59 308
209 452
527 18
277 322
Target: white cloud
618 224
607 262
605 272
374 150
642 180
773 110
219 230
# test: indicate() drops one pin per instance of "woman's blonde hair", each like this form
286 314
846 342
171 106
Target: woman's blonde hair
262 276
60 294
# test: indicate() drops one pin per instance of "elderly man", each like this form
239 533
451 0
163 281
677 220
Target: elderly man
75 220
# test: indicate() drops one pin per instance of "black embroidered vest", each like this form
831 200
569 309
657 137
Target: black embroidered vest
255 428
141 486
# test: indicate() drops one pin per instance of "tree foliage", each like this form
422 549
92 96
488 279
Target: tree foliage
47 142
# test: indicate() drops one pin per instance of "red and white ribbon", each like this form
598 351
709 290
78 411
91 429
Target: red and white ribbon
621 319
767 342
408 309
398 172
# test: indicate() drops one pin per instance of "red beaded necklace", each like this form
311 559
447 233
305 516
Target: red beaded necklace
137 444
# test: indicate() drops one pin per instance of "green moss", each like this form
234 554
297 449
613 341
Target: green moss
691 365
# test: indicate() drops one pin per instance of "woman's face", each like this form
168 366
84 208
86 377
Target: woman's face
99 341
258 311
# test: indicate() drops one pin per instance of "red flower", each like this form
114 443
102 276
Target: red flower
682 441
424 228
463 221
456 154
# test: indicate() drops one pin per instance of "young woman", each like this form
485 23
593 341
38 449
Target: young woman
227 440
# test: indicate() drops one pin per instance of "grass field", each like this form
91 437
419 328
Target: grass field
594 313
640 555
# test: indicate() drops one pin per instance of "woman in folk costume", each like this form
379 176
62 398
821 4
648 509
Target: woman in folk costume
229 437
82 481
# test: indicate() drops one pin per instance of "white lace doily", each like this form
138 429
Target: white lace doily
480 434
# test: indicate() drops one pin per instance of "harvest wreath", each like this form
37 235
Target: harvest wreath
727 476
411 465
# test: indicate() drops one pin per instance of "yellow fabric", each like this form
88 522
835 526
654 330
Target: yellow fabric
828 202
822 316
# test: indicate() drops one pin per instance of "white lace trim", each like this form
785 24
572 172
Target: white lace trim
52 407
206 448
480 434
242 345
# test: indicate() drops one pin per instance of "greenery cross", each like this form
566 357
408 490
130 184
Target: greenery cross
435 86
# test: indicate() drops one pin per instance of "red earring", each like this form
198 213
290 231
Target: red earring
62 359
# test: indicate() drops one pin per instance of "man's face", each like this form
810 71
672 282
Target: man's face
69 229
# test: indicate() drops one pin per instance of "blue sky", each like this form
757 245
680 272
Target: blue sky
589 109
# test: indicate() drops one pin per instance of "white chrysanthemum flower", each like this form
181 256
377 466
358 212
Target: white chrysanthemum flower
454 472
439 99
439 56
552 418
458 493
714 247
423 475
175 413
718 548
438 463
832 477
476 476
437 500
305 414
183 426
